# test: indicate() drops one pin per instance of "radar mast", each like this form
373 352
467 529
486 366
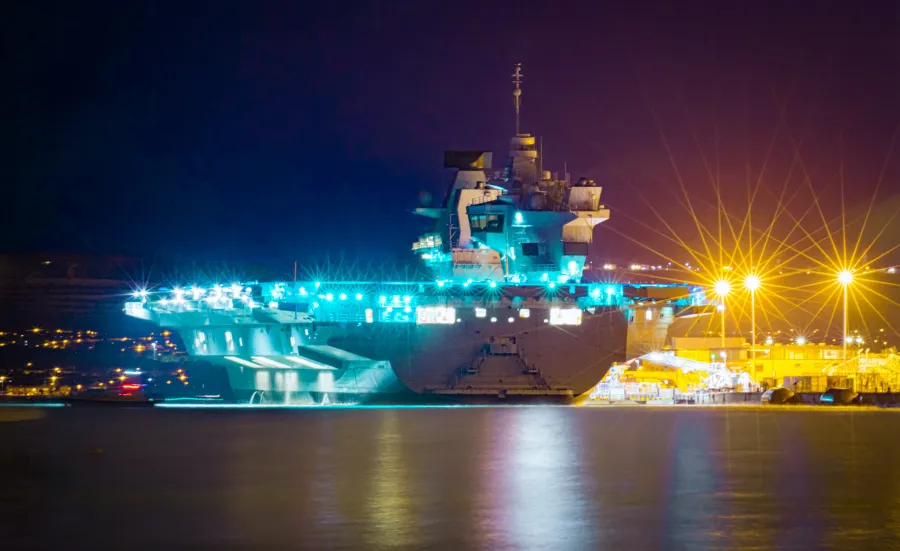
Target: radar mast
517 92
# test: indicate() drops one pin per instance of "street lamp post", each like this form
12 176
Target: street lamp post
722 288
752 284
845 278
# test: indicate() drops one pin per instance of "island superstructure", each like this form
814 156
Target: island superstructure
506 314
520 225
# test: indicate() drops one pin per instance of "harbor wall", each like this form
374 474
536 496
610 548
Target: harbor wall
867 398
728 398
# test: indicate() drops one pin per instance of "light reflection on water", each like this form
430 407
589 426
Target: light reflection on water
388 504
458 478
693 485
542 492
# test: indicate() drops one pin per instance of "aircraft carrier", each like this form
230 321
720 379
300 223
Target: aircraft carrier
506 315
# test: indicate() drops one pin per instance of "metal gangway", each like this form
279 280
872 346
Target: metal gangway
871 372
717 375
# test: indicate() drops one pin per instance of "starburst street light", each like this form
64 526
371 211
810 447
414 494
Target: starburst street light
845 278
752 282
722 288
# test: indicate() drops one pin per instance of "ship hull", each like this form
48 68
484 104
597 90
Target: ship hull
363 382
431 359
495 359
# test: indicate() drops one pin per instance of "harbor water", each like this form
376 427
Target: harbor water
487 478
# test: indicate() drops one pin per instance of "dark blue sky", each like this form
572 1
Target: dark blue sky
280 130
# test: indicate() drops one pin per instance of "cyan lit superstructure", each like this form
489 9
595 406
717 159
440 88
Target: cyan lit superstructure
506 314
521 224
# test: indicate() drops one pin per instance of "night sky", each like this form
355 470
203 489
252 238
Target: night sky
281 130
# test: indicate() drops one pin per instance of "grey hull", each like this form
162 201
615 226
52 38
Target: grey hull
430 356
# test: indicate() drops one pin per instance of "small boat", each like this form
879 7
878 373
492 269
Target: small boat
778 397
126 395
839 396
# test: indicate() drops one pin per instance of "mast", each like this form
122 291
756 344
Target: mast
517 98
540 159
517 92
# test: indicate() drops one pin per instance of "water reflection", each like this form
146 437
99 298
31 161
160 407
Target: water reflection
534 477
693 484
322 489
389 501
514 478
857 496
